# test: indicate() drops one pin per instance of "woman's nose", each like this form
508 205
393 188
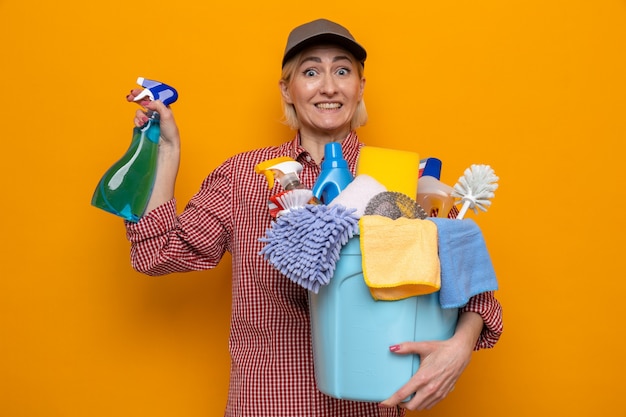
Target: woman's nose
329 85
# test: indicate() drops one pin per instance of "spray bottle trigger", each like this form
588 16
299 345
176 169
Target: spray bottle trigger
145 93
156 91
268 167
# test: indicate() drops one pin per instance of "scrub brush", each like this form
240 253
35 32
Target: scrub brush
475 188
290 200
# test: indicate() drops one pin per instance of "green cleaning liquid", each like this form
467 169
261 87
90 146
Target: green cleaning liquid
125 188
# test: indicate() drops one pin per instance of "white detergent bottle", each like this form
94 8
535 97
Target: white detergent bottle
434 196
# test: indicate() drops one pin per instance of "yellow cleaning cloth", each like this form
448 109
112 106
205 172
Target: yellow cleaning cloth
400 257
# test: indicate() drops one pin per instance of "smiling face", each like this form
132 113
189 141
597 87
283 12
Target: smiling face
325 91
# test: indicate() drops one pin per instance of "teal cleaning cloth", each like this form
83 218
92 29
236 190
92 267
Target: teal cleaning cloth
466 268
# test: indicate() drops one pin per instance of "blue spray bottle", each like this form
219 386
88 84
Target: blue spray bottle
125 188
335 175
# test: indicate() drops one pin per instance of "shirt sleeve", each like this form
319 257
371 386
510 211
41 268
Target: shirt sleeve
163 242
490 310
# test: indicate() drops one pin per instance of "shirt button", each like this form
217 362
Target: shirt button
308 158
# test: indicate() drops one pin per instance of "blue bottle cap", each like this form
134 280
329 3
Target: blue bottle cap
333 156
432 168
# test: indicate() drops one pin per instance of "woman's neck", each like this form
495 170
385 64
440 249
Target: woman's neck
315 144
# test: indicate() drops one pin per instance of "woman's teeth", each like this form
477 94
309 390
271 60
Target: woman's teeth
328 105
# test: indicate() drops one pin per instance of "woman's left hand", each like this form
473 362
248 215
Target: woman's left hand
441 365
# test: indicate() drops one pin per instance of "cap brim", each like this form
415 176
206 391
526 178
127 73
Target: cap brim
354 48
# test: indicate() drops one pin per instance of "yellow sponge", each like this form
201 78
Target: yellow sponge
396 170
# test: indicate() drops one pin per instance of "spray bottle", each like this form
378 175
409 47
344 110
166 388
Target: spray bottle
295 194
335 175
126 187
434 196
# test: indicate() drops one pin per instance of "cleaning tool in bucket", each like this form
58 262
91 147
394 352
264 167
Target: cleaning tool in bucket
295 195
358 194
475 188
394 205
304 244
400 257
395 169
466 268
283 169
430 166
126 187
434 196
335 175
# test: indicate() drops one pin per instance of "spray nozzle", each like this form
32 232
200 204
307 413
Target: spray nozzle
283 168
156 90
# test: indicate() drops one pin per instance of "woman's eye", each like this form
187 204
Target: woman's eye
309 73
343 71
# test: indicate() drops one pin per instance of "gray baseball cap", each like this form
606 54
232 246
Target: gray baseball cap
322 31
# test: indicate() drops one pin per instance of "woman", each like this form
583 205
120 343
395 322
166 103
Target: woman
272 367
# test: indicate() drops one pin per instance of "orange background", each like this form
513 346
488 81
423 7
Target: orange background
535 88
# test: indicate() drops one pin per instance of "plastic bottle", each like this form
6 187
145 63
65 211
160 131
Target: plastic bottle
434 196
126 187
284 169
335 175
295 194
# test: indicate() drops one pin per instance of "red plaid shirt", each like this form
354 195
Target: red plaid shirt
270 346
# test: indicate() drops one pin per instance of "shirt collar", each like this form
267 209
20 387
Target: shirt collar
350 147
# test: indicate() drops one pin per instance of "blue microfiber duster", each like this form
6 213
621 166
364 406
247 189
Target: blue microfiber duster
304 243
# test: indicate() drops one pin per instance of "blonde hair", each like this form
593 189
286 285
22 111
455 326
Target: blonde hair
289 112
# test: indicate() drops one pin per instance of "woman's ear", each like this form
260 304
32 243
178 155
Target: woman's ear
362 88
284 91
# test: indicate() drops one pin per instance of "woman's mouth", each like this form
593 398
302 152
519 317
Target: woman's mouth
328 106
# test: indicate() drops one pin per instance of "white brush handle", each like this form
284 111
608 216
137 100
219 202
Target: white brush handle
463 210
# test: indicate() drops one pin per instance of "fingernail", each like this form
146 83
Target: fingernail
394 348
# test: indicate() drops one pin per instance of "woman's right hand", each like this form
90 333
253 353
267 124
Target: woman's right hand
169 130
169 149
